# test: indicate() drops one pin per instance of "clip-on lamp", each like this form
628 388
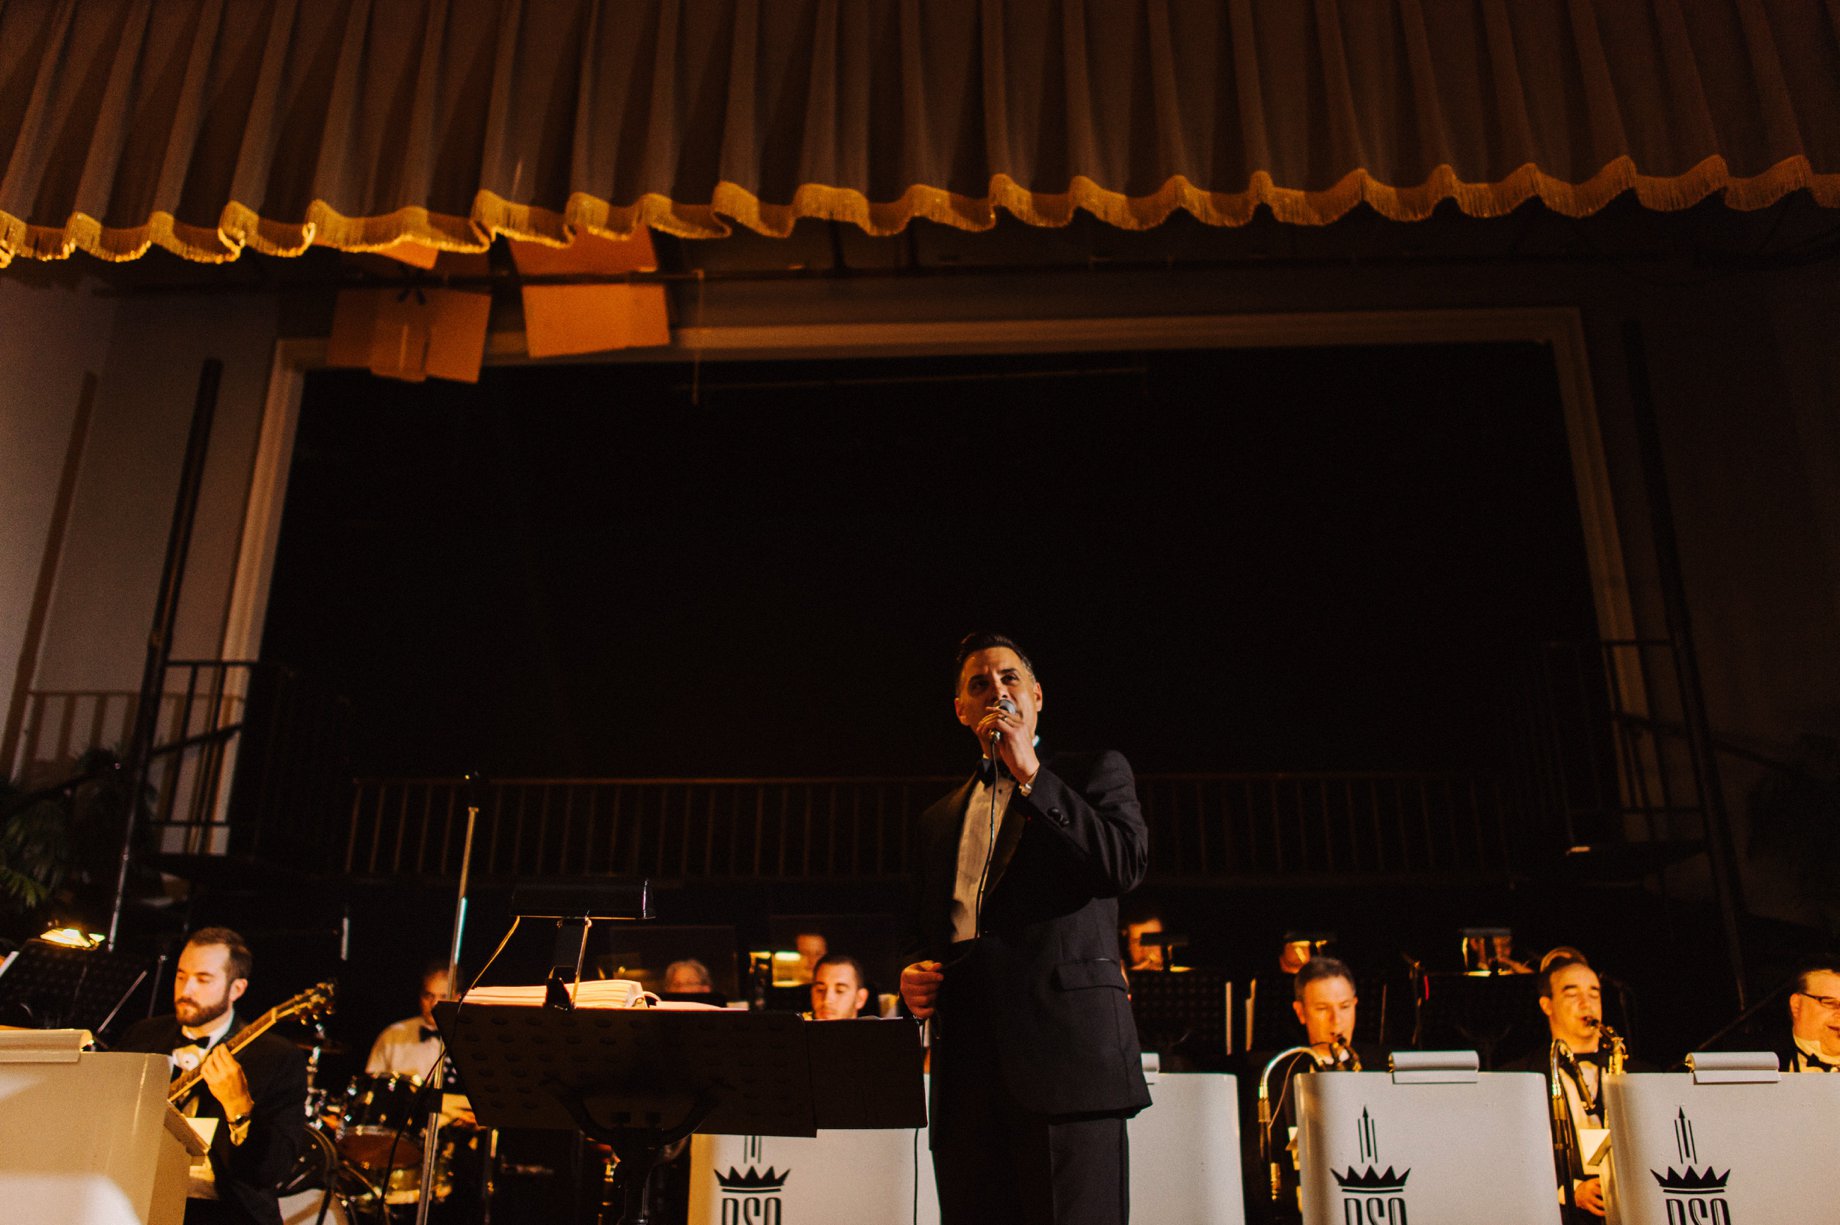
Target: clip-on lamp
576 909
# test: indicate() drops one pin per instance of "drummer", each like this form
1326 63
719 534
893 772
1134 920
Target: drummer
412 1046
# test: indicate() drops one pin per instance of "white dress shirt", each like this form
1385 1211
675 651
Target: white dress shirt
975 844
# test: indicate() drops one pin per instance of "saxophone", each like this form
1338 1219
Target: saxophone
1619 1051
1267 1154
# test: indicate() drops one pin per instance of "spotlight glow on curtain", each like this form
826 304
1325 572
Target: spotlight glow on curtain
205 126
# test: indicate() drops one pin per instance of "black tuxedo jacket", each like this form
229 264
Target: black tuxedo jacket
246 1173
1044 988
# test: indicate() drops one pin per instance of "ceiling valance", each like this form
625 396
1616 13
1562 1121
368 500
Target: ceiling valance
208 126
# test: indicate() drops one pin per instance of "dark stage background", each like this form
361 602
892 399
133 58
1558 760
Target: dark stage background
1220 560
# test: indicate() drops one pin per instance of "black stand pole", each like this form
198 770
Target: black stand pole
1719 845
437 1077
639 1152
159 637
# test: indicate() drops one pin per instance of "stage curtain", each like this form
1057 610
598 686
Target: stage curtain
205 126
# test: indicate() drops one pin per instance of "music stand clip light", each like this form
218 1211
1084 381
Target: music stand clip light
576 908
68 988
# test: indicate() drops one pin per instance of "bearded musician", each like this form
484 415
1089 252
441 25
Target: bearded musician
259 1093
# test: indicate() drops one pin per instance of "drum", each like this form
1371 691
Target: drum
309 1194
405 1186
312 1208
382 1123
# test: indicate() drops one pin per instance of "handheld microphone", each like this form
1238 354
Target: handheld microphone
1007 707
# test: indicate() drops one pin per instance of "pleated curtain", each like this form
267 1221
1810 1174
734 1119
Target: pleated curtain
208 126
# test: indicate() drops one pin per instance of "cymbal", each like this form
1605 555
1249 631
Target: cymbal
331 1046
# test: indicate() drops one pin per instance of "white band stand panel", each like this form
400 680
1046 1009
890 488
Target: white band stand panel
1724 1146
1434 1143
88 1139
1185 1168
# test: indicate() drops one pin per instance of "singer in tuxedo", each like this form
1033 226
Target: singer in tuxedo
1015 965
259 1093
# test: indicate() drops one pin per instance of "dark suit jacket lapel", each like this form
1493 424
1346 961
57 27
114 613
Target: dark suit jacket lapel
946 819
1009 836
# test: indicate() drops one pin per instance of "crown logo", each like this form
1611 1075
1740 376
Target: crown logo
753 1181
1372 1180
1691 1181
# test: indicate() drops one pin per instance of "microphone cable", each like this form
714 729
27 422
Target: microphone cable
990 846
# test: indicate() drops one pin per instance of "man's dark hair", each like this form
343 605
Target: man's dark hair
971 644
1318 968
1825 965
1552 968
694 966
440 967
841 959
240 957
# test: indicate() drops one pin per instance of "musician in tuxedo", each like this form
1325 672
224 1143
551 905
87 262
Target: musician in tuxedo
412 1046
1814 1020
1325 1004
1571 997
1017 873
259 1093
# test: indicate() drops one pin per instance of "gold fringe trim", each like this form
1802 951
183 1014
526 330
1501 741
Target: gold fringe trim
240 227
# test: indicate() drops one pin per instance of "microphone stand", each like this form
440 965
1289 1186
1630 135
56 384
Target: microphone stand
424 1200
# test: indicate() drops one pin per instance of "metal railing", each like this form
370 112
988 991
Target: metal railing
1202 827
201 706
1610 757
231 737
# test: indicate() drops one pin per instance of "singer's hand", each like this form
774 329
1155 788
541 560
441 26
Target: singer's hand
1013 743
1590 1196
920 987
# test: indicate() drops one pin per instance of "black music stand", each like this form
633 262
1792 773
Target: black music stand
67 988
639 1079
1493 1014
1182 1012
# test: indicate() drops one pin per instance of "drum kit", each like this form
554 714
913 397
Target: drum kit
364 1157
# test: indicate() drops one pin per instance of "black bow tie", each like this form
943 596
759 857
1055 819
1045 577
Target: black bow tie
1816 1062
429 1035
988 770
1600 1058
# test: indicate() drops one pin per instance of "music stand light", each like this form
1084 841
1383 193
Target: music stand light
576 908
64 987
71 938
